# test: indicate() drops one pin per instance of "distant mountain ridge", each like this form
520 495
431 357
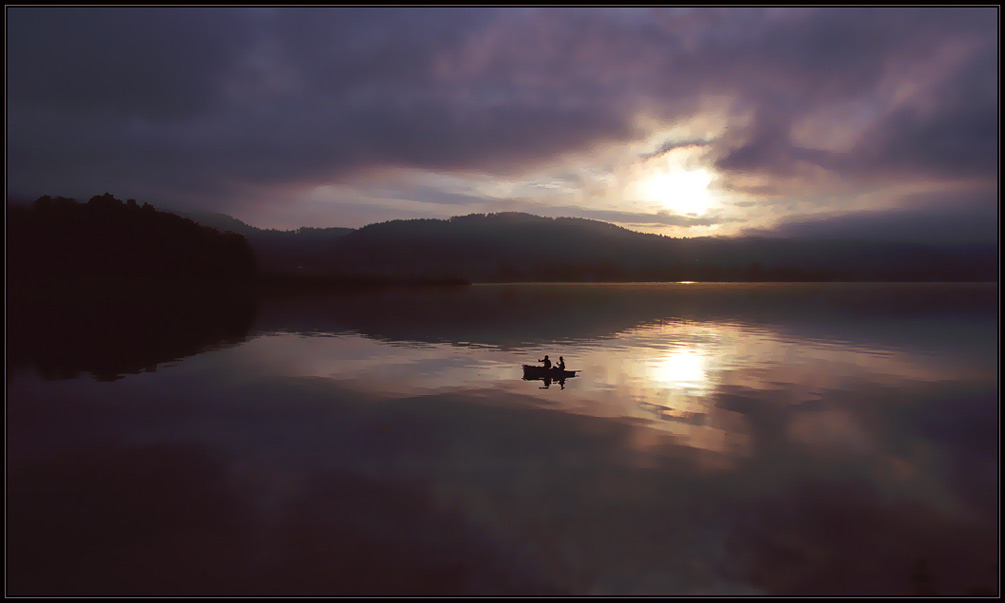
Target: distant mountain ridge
522 247
278 250
509 247
221 222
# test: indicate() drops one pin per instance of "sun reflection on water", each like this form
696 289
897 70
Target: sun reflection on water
688 439
695 380
684 369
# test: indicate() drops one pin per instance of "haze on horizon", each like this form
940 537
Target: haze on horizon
681 121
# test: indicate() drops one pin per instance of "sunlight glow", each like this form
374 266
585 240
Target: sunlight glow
683 369
683 191
677 180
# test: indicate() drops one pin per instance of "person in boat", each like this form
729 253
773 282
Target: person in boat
547 362
561 363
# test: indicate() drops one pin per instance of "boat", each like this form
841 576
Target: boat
539 372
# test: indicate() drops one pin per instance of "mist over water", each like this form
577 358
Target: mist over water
821 439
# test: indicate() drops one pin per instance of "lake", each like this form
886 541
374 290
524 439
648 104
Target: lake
717 439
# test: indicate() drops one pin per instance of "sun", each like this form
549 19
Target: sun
681 190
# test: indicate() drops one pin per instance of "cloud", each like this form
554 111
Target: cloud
658 218
936 218
927 89
123 63
212 105
952 132
673 145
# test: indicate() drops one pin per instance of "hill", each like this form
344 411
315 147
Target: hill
510 247
501 247
58 242
277 250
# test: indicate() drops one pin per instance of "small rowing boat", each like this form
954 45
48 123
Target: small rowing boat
539 372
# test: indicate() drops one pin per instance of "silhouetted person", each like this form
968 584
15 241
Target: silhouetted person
546 361
561 363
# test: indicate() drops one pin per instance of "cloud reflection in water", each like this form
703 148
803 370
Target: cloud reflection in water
730 440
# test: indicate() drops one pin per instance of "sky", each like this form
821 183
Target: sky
672 120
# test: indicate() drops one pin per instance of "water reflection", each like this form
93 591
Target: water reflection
202 535
826 440
108 334
684 370
547 379
508 316
668 369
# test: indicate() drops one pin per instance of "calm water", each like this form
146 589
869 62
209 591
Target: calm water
718 439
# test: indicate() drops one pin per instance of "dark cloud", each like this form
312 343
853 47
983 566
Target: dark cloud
937 218
955 136
208 103
673 145
815 59
772 152
123 63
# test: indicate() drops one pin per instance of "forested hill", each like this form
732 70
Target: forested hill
112 287
60 238
58 241
277 250
522 247
496 247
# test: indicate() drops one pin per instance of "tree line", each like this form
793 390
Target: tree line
59 240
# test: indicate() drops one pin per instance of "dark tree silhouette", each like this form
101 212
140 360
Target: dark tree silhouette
57 240
109 287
